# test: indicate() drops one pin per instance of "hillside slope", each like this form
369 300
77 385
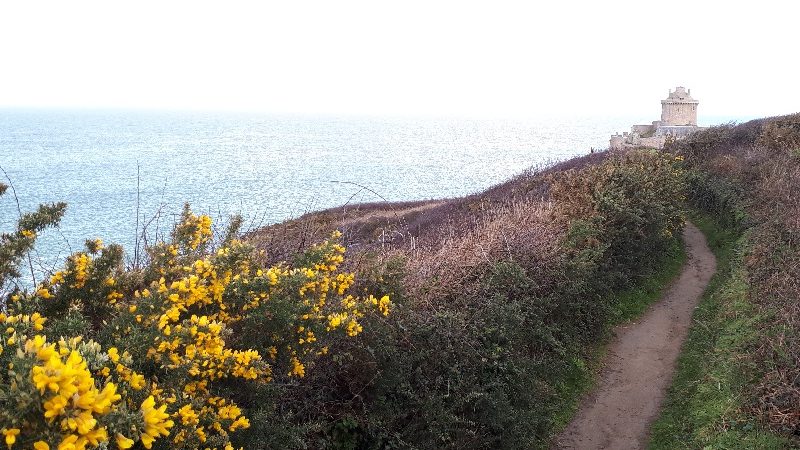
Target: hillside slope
502 298
738 385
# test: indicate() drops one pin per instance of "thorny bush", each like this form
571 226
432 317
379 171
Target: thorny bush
164 356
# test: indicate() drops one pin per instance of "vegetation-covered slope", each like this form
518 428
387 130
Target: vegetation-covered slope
462 323
738 383
502 296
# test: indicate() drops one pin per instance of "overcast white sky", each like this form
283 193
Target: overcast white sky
427 57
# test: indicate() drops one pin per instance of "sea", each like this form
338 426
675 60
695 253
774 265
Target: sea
122 172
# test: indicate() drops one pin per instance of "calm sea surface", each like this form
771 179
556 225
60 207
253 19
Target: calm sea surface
266 168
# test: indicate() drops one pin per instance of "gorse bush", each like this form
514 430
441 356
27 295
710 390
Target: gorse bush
620 217
496 302
163 356
627 208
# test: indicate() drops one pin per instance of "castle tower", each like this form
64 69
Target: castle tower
679 108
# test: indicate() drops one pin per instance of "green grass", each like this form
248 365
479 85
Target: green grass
703 408
630 304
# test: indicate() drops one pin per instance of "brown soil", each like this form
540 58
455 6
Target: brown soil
640 362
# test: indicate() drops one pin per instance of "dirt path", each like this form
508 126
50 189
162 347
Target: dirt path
640 362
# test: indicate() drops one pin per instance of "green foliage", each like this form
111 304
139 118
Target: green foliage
632 302
627 208
703 408
719 197
619 214
15 246
499 360
495 360
781 134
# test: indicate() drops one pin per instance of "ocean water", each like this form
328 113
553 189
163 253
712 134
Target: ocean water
108 164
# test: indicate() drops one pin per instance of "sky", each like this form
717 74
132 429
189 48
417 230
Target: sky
457 58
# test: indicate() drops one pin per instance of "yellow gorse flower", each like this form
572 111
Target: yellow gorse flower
156 422
123 442
70 394
175 326
10 435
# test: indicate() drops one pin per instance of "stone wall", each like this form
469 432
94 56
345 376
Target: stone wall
675 131
652 142
633 140
617 141
642 129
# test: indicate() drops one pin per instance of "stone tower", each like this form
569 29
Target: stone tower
679 108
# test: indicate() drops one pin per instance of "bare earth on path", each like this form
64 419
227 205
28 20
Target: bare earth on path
641 360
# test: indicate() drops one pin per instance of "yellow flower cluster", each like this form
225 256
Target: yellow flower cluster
383 304
77 273
70 394
351 313
156 421
75 406
195 230
175 328
81 263
117 368
19 325
71 401
197 344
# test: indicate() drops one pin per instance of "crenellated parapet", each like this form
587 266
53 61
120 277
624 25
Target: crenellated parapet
679 108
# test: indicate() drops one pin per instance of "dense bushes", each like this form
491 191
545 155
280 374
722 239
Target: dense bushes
166 356
487 346
210 345
748 177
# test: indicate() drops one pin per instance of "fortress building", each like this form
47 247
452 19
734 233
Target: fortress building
678 119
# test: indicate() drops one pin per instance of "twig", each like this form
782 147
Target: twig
19 210
136 237
364 188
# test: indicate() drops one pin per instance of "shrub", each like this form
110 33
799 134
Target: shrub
748 176
621 211
495 305
489 336
162 357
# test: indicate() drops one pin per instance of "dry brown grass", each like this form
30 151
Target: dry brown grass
446 243
520 231
417 223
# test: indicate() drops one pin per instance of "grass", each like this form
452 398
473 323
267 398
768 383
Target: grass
630 304
633 302
703 408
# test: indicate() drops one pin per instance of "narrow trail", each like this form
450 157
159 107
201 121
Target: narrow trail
640 362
